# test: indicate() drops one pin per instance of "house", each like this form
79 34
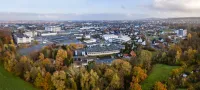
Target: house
140 40
81 61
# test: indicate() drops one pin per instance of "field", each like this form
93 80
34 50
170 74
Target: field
159 72
11 82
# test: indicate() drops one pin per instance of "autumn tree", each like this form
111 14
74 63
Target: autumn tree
122 66
191 53
41 56
39 80
88 80
9 61
115 82
47 83
60 57
27 76
138 75
178 56
160 86
189 36
109 73
135 86
72 76
93 79
145 59
58 78
84 79
23 65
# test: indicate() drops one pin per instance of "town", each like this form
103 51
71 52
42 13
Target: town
103 41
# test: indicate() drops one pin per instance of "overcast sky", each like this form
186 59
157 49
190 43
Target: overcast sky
97 9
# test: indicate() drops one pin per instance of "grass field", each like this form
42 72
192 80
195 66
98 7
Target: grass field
11 82
159 72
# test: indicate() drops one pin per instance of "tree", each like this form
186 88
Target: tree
135 86
22 66
58 78
178 56
27 76
72 77
160 86
145 59
41 57
84 79
61 55
122 66
9 61
38 81
189 36
47 84
115 82
109 73
138 75
191 53
46 61
93 79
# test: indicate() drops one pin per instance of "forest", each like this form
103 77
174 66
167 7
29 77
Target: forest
52 67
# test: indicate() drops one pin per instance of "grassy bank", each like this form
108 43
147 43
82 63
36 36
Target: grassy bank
159 72
11 82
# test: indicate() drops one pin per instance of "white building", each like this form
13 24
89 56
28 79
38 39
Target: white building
109 36
90 41
22 39
124 38
87 37
181 33
102 53
31 33
48 34
53 28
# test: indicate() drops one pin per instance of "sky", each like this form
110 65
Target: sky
97 9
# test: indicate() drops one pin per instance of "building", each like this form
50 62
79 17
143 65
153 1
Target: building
90 41
31 33
115 38
22 39
99 50
181 33
48 34
53 28
124 38
109 36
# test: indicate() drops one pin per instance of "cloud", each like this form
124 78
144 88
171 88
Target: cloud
123 7
177 5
